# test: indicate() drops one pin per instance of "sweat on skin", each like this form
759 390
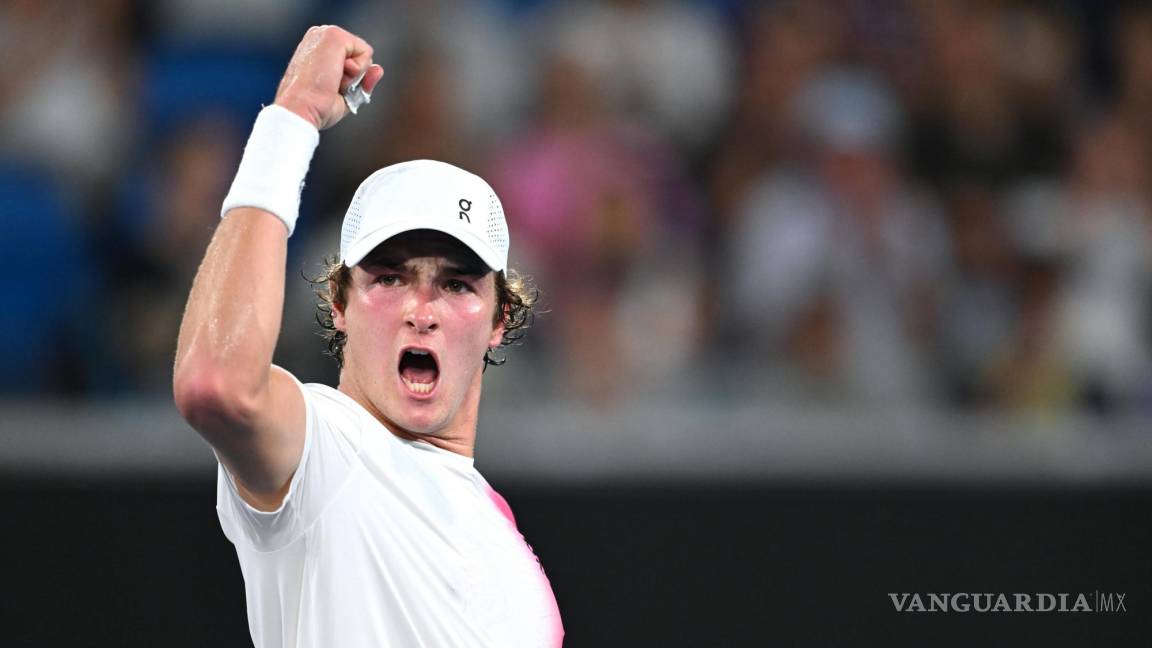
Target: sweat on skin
420 314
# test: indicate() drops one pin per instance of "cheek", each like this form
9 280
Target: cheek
477 316
365 328
474 308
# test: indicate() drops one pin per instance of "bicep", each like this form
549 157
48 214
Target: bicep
263 450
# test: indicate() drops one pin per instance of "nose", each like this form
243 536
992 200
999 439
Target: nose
421 313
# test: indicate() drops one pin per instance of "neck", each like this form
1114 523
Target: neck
457 435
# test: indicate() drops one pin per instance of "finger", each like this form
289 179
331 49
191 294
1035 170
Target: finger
352 68
359 64
353 73
357 48
375 73
355 45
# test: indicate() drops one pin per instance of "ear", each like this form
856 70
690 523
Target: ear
497 332
337 311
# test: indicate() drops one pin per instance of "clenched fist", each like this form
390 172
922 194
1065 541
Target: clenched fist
326 62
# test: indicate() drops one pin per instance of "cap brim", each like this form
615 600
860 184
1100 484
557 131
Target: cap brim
368 242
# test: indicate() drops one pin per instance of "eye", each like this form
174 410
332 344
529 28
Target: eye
388 279
456 286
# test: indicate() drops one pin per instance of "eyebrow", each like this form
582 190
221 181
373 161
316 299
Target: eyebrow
451 267
465 270
383 262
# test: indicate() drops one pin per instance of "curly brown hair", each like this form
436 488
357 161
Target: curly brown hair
515 299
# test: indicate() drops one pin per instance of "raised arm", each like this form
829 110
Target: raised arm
224 383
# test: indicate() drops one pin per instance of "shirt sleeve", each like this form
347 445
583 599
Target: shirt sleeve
329 456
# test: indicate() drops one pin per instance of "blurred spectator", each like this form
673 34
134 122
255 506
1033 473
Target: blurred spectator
887 37
62 107
1107 297
1041 54
977 307
595 204
994 110
784 44
664 63
835 255
1134 60
1080 275
1032 374
422 122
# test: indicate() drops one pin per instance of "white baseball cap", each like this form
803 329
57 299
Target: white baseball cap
425 194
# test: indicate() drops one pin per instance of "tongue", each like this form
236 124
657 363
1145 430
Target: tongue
418 368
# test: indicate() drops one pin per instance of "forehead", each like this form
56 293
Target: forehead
425 243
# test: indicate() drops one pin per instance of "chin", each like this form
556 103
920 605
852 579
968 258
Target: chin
426 422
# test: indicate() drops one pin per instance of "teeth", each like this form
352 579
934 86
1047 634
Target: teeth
419 388
417 352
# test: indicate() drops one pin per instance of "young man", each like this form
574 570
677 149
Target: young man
357 515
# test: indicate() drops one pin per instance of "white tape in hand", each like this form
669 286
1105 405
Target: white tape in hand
354 95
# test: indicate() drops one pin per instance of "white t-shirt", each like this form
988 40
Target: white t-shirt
385 542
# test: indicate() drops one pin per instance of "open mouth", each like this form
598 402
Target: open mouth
418 370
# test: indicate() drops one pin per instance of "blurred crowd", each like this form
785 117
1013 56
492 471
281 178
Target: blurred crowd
942 203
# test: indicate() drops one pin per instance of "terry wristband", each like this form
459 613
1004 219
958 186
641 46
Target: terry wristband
276 159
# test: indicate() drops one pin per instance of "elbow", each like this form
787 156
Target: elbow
209 400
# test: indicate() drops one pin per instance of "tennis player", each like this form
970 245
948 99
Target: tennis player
356 512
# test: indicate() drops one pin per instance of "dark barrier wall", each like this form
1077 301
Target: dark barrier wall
145 564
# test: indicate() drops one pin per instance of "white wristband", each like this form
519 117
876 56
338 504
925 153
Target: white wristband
276 159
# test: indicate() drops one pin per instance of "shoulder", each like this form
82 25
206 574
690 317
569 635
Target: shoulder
329 409
330 399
